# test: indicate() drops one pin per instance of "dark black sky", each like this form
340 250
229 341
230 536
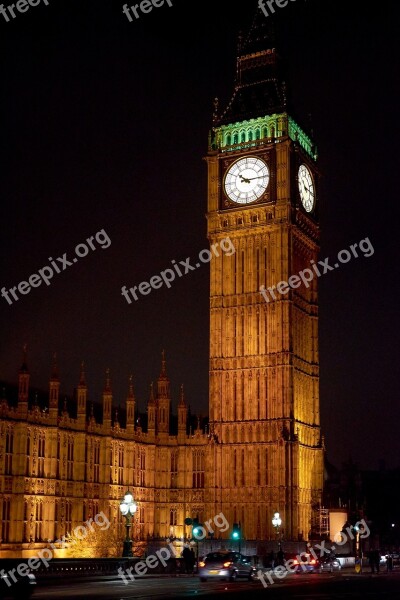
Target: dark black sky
104 124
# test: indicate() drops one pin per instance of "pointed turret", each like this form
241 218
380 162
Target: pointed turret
151 412
92 419
82 396
163 398
182 413
107 402
23 386
116 418
54 391
130 408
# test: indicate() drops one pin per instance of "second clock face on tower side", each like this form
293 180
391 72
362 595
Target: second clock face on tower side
306 188
246 180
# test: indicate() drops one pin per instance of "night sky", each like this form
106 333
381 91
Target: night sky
104 124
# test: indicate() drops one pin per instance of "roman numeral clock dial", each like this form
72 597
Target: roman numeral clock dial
306 188
246 180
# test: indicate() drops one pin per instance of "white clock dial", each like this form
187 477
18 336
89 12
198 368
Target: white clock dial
306 188
246 180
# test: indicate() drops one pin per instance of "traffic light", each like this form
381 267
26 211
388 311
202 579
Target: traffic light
197 530
236 531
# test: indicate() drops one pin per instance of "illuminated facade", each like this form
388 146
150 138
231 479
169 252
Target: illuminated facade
263 451
264 366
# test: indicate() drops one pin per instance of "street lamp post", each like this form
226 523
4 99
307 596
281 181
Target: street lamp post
277 522
128 508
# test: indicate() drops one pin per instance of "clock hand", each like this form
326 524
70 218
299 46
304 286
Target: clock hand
247 180
258 177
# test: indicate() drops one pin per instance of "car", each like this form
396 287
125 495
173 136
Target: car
21 589
329 564
306 563
226 564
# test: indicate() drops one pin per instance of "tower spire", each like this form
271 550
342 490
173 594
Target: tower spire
107 402
82 396
82 377
54 391
163 365
24 366
182 415
258 88
23 385
151 398
107 384
151 412
182 396
54 370
130 408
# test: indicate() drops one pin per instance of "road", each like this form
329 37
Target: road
338 586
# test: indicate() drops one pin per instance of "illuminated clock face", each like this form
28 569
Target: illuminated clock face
306 188
246 180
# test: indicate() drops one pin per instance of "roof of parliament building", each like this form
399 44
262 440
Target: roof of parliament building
65 406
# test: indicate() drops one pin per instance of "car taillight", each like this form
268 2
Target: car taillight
227 564
295 562
313 561
202 564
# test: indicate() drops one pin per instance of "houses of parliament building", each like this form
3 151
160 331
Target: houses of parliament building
262 450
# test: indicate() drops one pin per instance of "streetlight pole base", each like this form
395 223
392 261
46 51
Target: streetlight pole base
127 549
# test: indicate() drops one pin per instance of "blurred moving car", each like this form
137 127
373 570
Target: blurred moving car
306 563
21 589
329 564
225 564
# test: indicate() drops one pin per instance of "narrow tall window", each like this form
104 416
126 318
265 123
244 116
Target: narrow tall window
198 469
70 459
41 454
96 461
68 516
242 268
5 520
142 468
28 456
58 471
9 452
121 465
174 469
39 522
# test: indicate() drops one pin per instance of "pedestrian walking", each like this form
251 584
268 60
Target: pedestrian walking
187 558
371 560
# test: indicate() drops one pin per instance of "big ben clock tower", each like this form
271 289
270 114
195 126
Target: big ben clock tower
264 366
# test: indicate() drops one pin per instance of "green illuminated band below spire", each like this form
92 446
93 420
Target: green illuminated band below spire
256 133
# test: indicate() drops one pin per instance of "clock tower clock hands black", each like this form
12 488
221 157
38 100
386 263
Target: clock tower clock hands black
264 364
